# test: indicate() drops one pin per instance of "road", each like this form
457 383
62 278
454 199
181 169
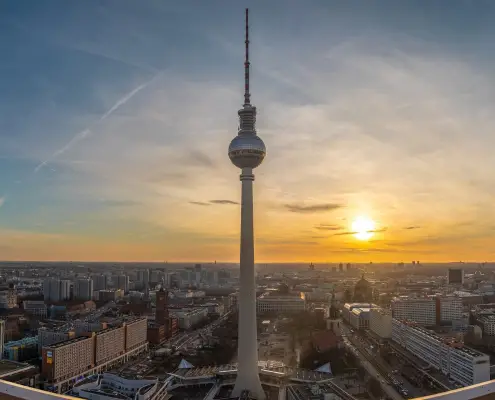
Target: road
363 358
182 340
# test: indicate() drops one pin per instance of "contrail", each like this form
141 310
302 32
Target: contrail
81 135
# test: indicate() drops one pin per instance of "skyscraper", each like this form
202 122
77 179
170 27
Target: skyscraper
247 151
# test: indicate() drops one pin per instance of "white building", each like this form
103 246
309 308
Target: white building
422 311
461 363
429 311
450 308
359 317
348 307
109 387
280 303
381 322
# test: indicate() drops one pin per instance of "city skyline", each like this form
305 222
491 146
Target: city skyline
114 140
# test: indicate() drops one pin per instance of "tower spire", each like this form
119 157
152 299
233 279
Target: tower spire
247 95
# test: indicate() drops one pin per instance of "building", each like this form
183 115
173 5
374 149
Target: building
110 343
109 295
135 333
37 308
161 314
21 350
110 387
64 360
156 333
461 363
362 291
359 317
455 276
247 151
122 282
8 298
422 311
334 322
100 282
428 311
450 308
381 322
83 289
102 349
56 290
189 317
275 302
233 301
47 337
348 307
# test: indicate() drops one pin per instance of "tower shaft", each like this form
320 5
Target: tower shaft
247 369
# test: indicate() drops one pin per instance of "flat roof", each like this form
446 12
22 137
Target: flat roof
67 342
11 367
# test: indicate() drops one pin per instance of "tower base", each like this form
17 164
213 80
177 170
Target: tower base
251 384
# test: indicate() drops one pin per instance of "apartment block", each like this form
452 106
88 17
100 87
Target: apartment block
422 311
461 363
67 359
110 343
381 322
135 333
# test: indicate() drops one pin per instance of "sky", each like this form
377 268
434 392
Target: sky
116 116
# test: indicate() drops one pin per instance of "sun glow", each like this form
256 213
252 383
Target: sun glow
363 228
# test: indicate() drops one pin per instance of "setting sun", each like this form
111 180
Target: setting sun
363 228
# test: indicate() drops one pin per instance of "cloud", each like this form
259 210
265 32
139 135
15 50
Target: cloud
223 202
324 227
355 233
410 228
315 208
199 203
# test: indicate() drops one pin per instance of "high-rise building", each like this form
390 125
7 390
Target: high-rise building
455 276
428 311
161 316
123 283
83 289
100 282
8 297
247 151
56 290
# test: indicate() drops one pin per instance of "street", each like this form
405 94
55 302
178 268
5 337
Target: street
363 358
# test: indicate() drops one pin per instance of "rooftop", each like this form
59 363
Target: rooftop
8 368
68 342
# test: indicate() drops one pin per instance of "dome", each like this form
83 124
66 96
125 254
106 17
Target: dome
247 151
362 284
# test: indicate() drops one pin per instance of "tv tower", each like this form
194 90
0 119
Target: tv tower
247 151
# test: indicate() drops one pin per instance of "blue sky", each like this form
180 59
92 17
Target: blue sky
115 117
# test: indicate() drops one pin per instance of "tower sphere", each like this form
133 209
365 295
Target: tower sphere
247 151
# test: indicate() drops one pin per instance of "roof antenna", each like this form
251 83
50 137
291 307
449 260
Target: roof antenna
247 95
